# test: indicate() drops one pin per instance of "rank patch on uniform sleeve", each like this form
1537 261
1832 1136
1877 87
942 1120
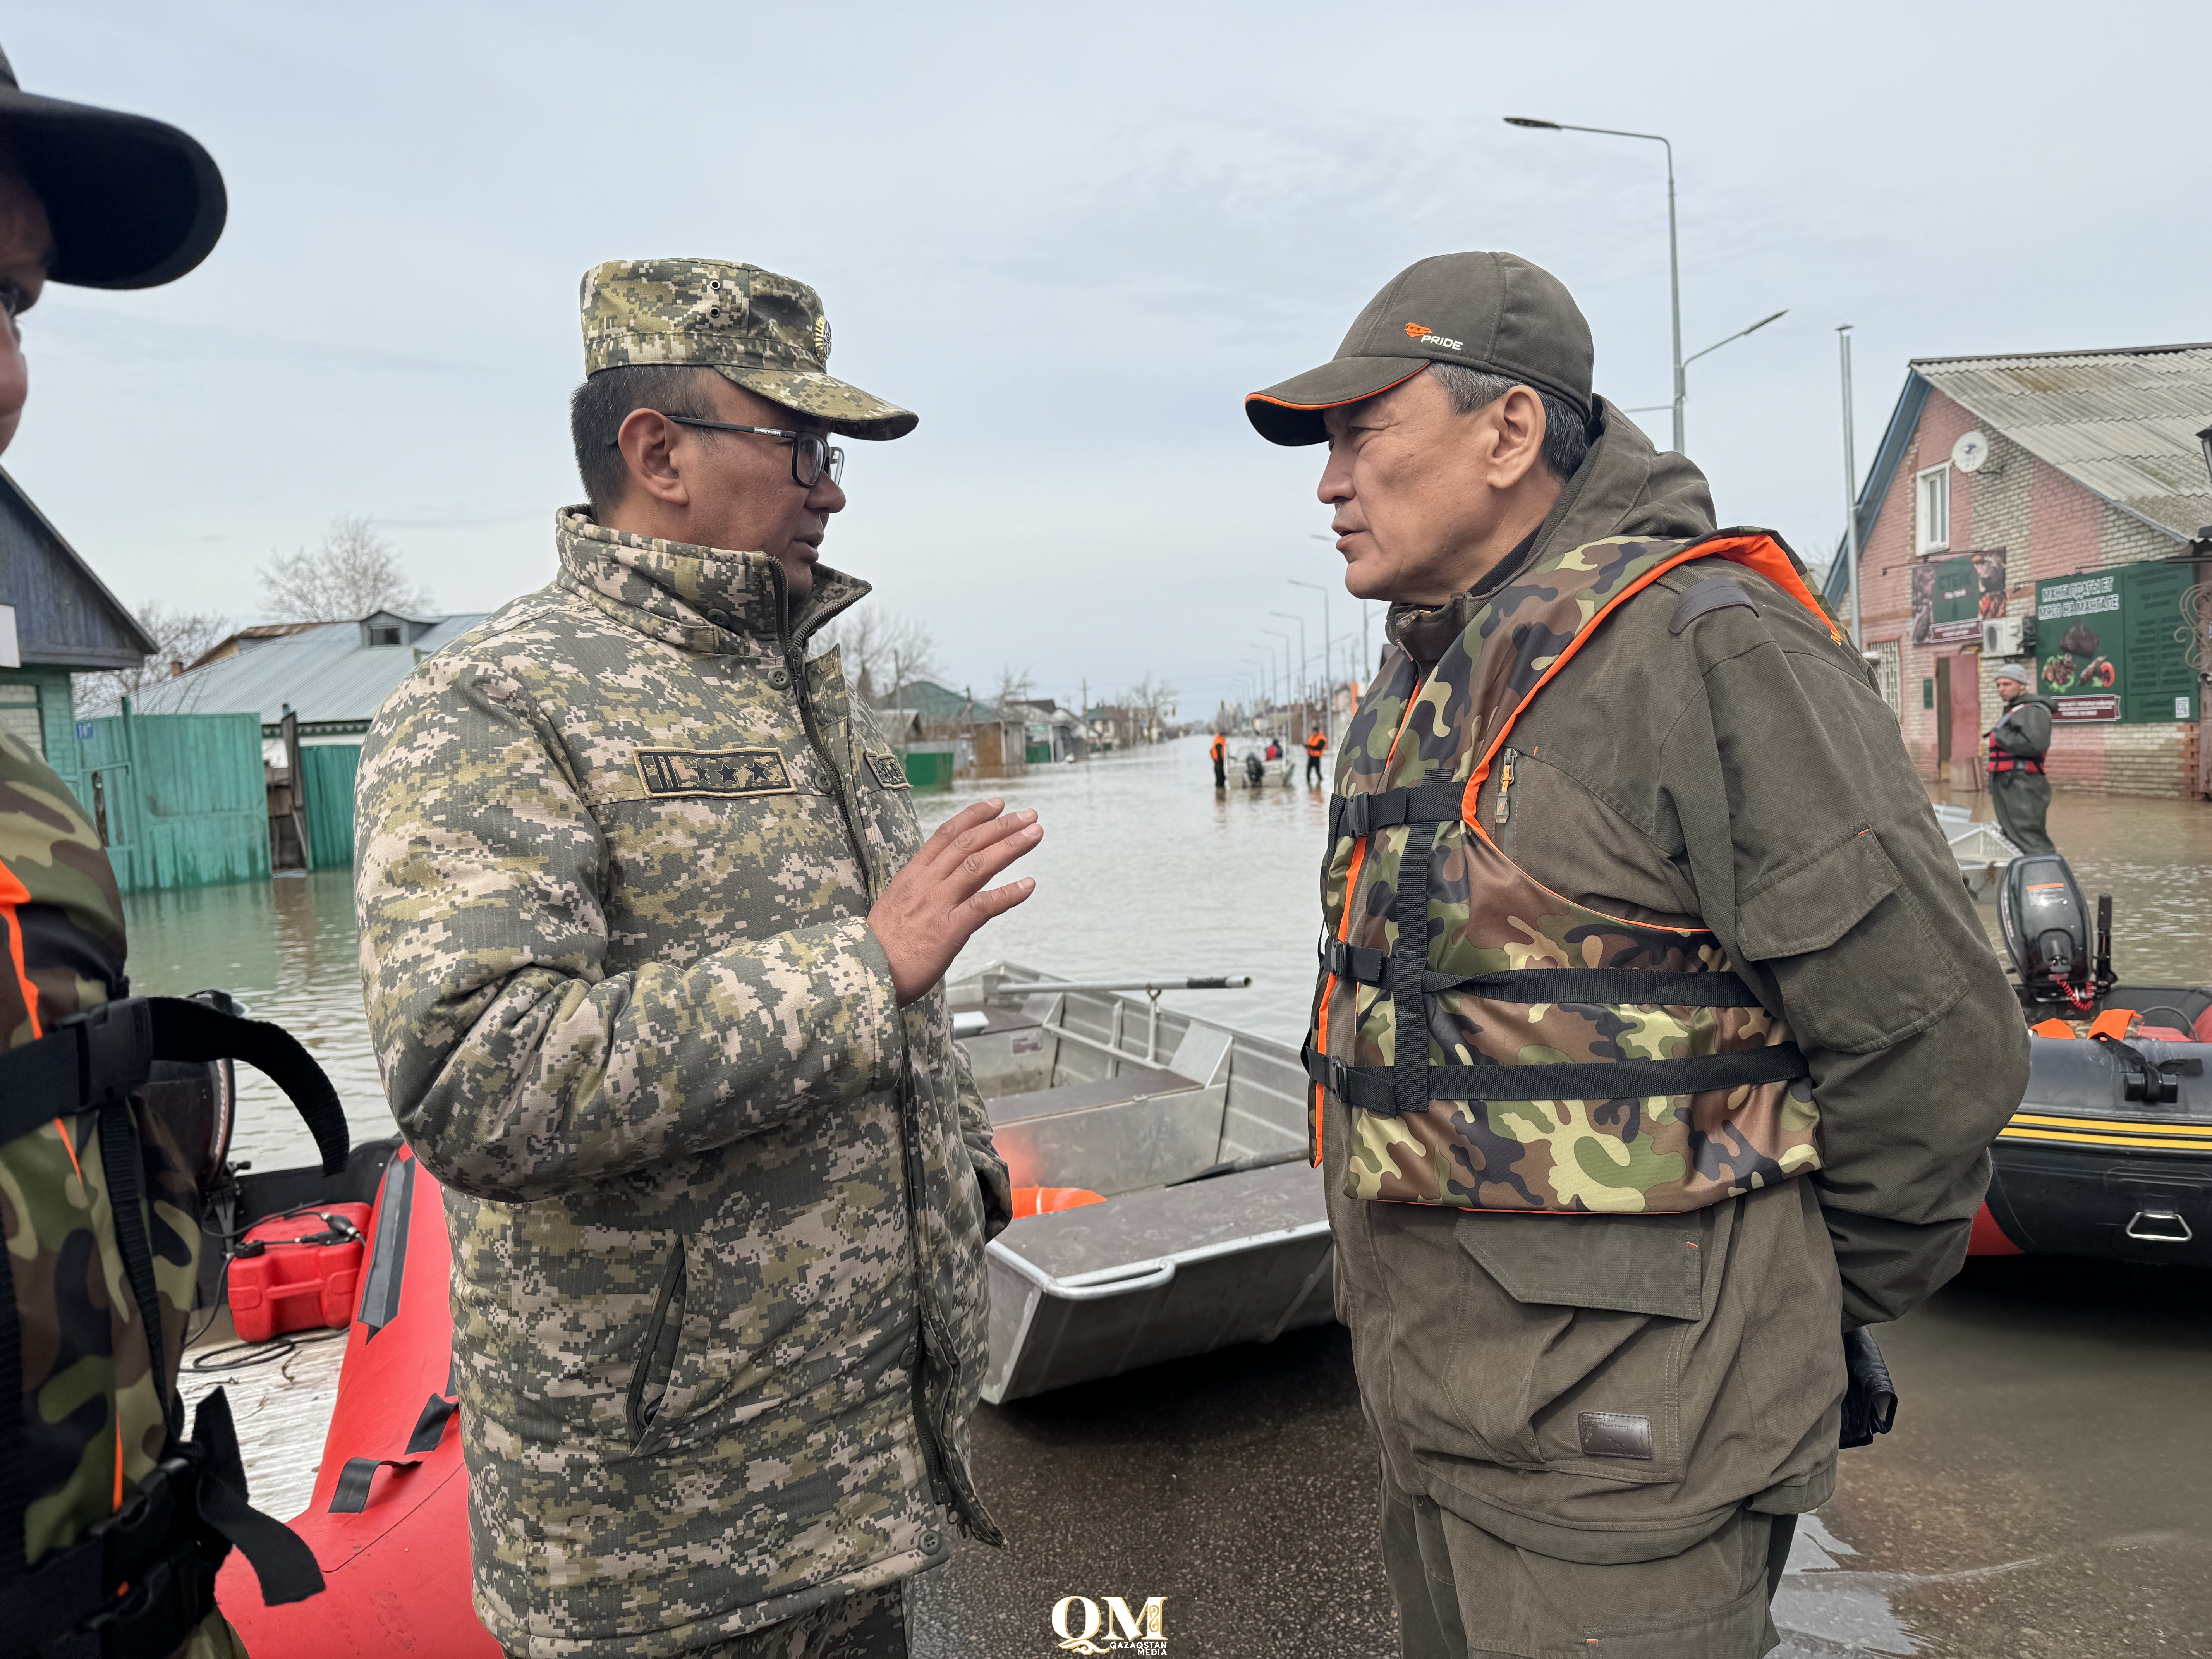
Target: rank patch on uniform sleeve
714 772
888 771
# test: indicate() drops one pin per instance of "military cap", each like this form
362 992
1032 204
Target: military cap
761 332
133 203
1491 312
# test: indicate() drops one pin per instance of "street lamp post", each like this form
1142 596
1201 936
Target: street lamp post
1327 661
1304 674
1674 254
1851 488
1288 644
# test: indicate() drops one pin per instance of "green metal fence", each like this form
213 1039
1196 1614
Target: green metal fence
328 770
178 799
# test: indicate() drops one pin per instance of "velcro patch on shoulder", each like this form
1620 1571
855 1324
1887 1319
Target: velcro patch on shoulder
1714 594
714 772
890 771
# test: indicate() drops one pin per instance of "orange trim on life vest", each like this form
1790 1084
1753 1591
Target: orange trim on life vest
13 896
1759 553
2113 1023
1351 893
2052 1028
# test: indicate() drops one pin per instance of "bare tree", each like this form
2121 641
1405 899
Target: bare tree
882 652
1151 700
1014 686
355 572
180 638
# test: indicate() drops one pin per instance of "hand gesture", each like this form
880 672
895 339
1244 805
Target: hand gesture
934 905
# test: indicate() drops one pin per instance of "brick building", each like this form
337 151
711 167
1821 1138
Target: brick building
2076 477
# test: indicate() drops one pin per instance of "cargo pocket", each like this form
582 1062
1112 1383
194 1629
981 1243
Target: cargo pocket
656 1360
1578 1364
1897 979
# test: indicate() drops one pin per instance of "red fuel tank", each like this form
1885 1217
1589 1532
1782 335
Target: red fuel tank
298 1272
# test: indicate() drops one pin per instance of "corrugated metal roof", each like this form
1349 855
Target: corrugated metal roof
325 672
2123 423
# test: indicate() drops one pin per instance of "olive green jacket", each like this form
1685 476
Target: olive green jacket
717 1204
1719 773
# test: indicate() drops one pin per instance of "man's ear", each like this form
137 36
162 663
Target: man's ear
1520 441
647 439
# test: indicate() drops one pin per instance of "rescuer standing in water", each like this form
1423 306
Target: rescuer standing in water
1219 750
2019 791
653 949
1690 1088
1316 746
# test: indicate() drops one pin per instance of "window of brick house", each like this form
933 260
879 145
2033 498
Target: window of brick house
19 717
1931 517
1885 672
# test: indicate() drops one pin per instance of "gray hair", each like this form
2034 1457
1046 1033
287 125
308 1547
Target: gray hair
598 407
1567 435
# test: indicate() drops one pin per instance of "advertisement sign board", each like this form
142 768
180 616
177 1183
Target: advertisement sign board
2109 645
1952 595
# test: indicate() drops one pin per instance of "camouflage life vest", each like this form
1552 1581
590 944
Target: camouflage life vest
1574 1060
112 1524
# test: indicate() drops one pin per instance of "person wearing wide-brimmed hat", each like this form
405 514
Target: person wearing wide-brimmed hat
105 1547
1655 1045
653 949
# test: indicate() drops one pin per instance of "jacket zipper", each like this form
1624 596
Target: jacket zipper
942 1487
1505 786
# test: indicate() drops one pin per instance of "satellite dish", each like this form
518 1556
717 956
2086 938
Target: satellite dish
1970 451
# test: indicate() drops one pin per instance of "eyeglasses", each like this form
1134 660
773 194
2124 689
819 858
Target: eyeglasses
811 455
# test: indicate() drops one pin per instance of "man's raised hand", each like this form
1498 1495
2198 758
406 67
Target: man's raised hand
934 905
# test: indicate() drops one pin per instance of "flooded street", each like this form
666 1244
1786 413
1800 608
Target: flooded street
2045 1491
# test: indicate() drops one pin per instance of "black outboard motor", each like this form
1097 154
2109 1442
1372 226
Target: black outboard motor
1255 769
2046 930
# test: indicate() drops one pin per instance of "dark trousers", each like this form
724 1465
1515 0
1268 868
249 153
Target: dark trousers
1313 769
2021 799
1463 1594
1220 773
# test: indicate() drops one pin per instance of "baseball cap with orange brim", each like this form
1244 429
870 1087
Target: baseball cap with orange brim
1495 312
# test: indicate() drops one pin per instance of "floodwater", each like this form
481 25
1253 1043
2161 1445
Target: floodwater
2045 1491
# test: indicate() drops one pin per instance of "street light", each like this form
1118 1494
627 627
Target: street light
1851 485
1673 257
1276 633
1303 676
1366 658
1328 659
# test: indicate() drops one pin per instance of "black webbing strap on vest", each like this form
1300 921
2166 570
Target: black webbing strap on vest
1362 814
148 1571
167 1542
1580 986
1375 1088
98 1057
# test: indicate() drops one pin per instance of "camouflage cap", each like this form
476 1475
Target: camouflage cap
764 332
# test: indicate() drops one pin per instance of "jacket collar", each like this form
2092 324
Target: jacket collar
697 598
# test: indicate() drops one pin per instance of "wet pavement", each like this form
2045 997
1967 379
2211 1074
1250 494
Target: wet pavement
2047 1491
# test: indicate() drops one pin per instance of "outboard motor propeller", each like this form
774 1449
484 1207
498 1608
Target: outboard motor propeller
2047 933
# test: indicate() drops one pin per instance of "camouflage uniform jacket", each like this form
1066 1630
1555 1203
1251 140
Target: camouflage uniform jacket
1613 1387
718 1207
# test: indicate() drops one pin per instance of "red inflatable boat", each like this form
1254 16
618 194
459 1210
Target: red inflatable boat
389 1520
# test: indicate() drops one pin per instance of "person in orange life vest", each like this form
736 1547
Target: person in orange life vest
1708 1043
2019 792
1316 746
1219 750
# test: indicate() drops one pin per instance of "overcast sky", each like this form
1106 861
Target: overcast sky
1072 238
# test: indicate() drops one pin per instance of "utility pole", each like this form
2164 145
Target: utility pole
1305 678
1850 490
1328 659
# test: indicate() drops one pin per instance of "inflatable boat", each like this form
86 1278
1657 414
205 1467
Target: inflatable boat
2110 1153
